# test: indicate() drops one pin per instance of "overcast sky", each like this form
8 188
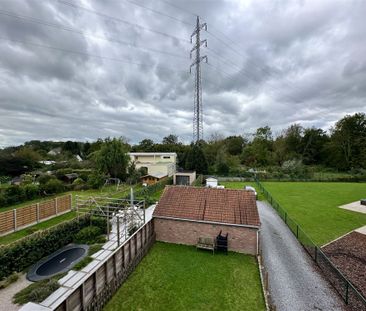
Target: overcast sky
270 63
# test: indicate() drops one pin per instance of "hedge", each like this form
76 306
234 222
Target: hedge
20 255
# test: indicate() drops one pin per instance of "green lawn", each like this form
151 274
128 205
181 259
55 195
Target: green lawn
178 277
314 206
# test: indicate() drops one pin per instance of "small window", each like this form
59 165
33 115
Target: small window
166 157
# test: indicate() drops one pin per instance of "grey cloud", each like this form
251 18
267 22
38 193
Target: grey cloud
294 61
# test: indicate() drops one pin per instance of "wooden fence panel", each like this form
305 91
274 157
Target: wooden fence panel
100 278
73 302
6 221
26 215
89 290
64 203
46 209
110 269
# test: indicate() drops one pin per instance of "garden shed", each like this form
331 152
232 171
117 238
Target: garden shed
185 214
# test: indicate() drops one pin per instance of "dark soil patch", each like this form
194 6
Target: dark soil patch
348 254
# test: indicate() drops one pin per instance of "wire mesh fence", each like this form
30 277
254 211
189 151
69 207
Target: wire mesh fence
351 296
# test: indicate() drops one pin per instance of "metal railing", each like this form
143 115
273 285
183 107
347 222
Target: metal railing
351 296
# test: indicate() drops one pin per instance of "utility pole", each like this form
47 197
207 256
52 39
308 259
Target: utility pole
197 103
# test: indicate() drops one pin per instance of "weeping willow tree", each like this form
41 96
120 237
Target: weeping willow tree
112 158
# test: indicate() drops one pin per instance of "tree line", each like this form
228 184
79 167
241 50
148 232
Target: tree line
341 148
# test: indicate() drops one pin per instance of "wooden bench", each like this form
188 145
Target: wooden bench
206 243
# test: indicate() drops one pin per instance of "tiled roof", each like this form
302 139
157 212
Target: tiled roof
209 204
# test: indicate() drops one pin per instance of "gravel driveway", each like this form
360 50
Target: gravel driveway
295 283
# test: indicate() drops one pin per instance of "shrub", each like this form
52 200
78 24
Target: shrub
53 186
88 235
9 280
43 179
14 195
3 200
31 191
62 172
83 263
36 292
78 181
96 180
21 254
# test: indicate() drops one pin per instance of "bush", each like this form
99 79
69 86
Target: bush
19 255
3 200
43 179
31 191
88 235
14 195
96 180
53 186
83 263
36 292
9 280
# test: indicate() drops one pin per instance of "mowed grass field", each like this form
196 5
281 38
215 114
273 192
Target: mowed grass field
314 206
178 277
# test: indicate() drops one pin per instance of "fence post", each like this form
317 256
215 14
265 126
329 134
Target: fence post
118 235
56 206
37 210
15 219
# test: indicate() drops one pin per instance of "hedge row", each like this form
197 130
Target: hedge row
145 192
20 255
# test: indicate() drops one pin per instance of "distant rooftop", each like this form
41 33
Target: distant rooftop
152 153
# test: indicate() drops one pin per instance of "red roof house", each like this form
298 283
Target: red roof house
184 214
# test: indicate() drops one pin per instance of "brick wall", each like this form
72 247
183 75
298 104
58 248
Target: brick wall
240 239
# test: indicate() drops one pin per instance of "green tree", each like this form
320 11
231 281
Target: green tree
112 159
170 140
234 144
222 167
348 142
196 160
313 145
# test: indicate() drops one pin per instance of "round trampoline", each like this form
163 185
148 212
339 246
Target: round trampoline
58 262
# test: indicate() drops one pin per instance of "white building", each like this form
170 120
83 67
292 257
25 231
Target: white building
211 182
185 178
156 163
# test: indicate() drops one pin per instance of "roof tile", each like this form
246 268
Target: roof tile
230 206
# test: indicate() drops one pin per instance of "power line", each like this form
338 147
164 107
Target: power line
117 19
120 60
263 69
160 13
179 8
85 35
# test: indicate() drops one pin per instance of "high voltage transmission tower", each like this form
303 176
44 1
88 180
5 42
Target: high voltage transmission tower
197 104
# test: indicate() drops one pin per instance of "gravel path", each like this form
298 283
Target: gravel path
6 294
295 283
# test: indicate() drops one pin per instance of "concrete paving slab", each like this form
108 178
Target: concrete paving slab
354 207
361 230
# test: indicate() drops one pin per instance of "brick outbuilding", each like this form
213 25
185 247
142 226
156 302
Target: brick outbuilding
184 214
